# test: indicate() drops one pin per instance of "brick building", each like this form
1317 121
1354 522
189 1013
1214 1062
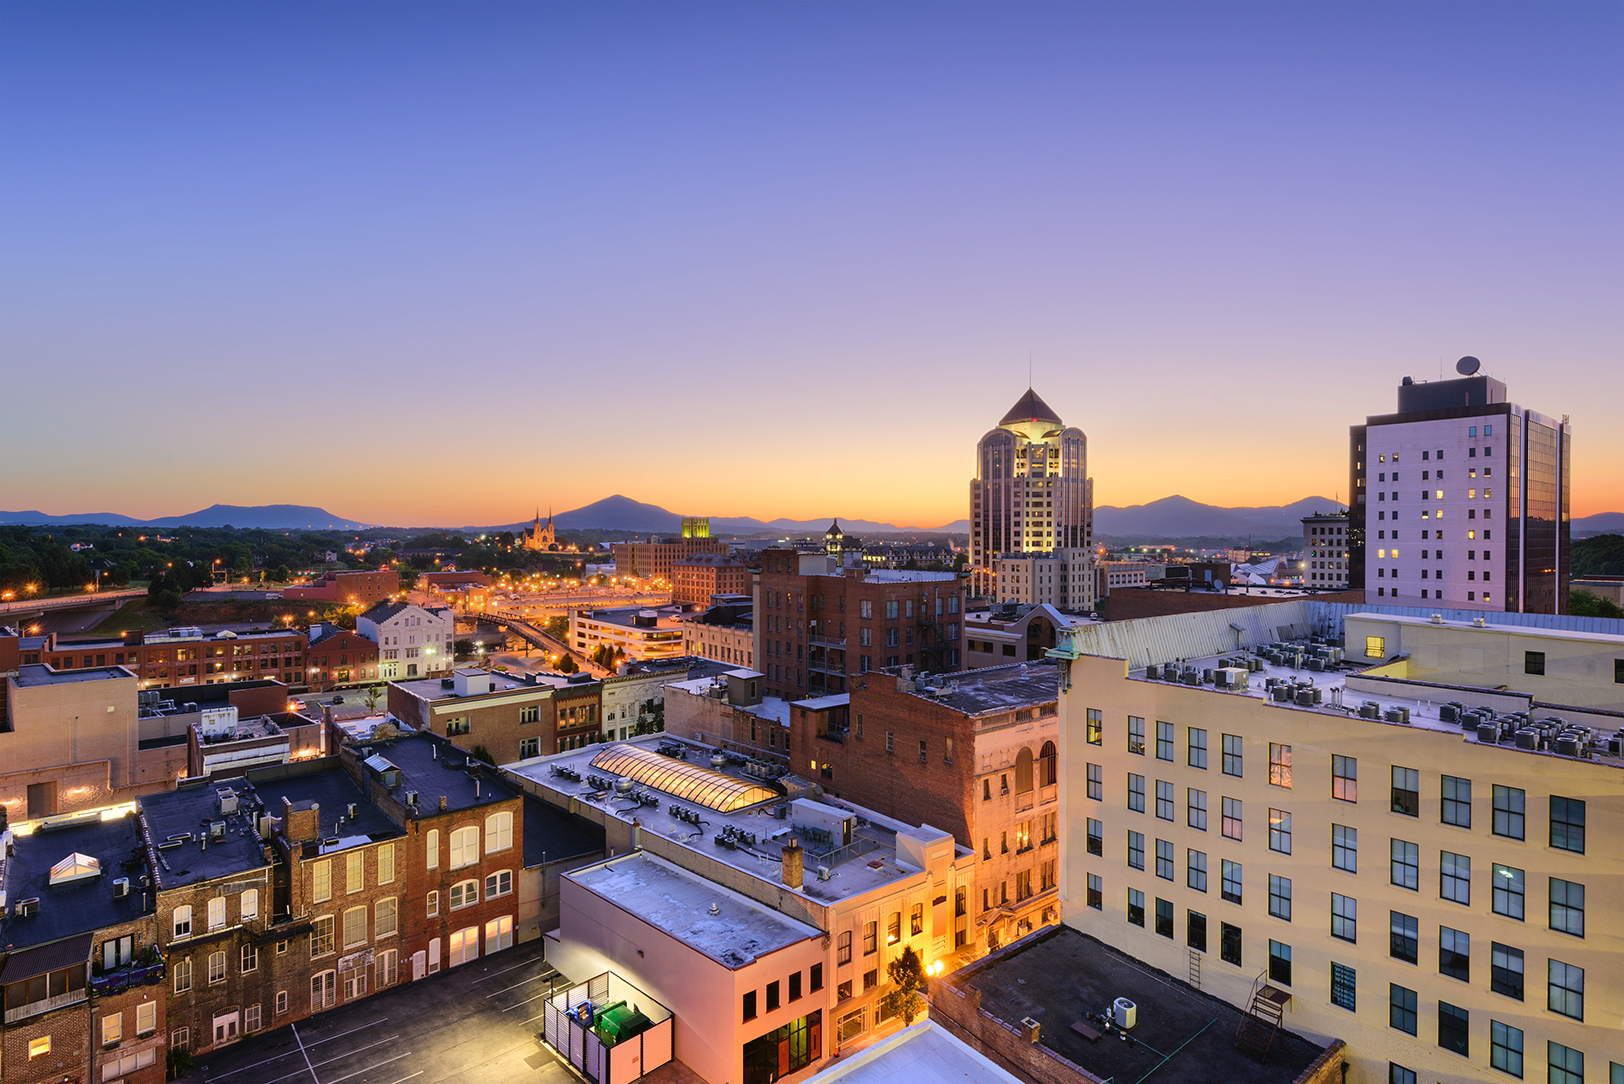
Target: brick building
337 656
973 754
653 560
695 578
350 588
510 718
82 979
185 656
819 624
323 882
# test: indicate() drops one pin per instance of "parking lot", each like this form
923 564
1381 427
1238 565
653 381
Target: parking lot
477 1022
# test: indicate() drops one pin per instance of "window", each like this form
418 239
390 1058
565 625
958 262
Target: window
499 883
1164 800
431 848
1279 963
498 832
1508 812
1345 779
1096 892
1232 754
217 968
217 912
1196 748
924 756
321 936
355 871
1280 765
1096 838
1343 981
870 938
750 1003
1232 818
1164 859
1406 865
355 926
1229 943
1454 954
112 1028
387 917
1136 850
1096 783
183 974
281 1002
1195 874
531 747
1453 1026
1280 897
773 991
1506 970
1506 1048
183 921
1401 1008
386 864
1136 735
1457 801
843 953
1136 907
1534 662
1136 793
464 894
1195 930
464 847
1564 1065
1567 990
38 1048
1406 791
1280 831
871 979
248 904
1508 891
1231 883
250 958
815 978
893 928
1568 907
1375 647
146 1018
1345 918
1048 763
1164 918
1404 943
1096 732
433 901
1195 814
321 881
1164 741
1568 824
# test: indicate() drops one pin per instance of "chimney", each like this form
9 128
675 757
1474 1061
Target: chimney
442 803
792 863
300 825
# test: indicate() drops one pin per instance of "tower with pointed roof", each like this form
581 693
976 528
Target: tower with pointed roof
1032 495
540 536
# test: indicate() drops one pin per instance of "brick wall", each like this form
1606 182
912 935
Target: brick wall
959 1010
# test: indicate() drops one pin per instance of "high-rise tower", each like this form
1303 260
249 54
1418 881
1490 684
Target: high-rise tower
1032 494
1460 500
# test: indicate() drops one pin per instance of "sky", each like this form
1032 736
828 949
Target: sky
439 264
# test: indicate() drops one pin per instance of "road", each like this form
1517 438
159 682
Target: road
70 602
474 1023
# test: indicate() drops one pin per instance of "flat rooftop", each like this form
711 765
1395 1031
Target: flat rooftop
1425 712
993 688
78 906
730 929
551 834
871 860
37 675
183 815
1057 975
923 1052
435 768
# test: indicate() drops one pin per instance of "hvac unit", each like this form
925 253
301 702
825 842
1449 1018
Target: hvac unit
823 873
121 887
1124 1013
28 907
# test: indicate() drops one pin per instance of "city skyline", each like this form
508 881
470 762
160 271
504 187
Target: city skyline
559 247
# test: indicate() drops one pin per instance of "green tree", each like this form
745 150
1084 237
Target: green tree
280 574
907 975
408 579
482 753
1582 603
371 700
1599 555
558 627
568 665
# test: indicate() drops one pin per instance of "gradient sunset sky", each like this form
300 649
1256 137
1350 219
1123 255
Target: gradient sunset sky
424 264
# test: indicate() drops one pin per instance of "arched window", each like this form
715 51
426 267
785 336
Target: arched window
1023 772
464 847
498 832
1046 765
464 894
183 920
250 904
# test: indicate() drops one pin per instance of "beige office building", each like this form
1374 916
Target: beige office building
1437 887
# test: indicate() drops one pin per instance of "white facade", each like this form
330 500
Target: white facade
1062 578
413 641
625 697
1325 551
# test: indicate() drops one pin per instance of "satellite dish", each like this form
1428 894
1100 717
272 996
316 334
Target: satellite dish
1467 365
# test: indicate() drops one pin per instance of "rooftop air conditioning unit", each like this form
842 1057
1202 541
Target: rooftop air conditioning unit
1124 1013
823 873
28 907
121 887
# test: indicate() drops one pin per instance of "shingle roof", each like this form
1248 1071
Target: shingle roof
383 611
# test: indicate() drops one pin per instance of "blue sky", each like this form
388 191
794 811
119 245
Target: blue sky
784 259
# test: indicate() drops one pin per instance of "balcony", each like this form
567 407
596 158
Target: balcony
827 641
824 667
44 1005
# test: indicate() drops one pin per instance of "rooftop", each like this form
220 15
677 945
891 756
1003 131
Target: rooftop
36 675
183 816
1057 976
992 689
551 834
81 905
757 832
924 1052
1030 408
729 928
435 768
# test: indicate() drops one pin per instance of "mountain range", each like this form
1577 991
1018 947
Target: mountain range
1166 519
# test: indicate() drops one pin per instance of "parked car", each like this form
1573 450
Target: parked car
338 699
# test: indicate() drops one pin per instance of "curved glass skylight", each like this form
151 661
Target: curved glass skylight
678 778
75 867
